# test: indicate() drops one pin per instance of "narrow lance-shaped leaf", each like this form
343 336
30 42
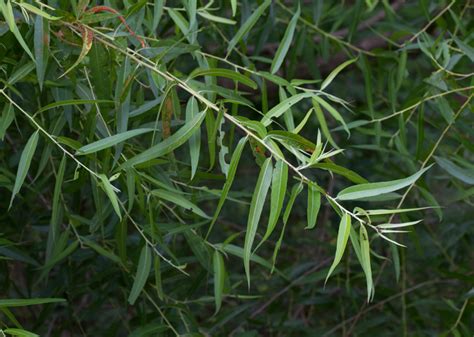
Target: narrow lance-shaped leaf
55 218
179 200
247 26
285 43
283 106
7 11
219 278
230 178
462 174
373 189
335 72
157 13
256 207
143 270
333 113
41 44
24 165
169 144
365 259
314 204
233 3
109 191
110 141
279 185
192 110
19 302
323 124
220 72
342 237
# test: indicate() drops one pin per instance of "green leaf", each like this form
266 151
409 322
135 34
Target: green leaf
323 124
314 203
462 174
7 11
230 179
219 278
8 115
221 72
248 24
53 233
283 106
285 43
256 207
333 112
373 189
215 18
365 260
24 165
233 3
110 141
335 72
192 110
41 47
143 271
11 303
110 192
342 237
180 201
279 186
157 13
169 144
20 332
345 172
295 190
73 102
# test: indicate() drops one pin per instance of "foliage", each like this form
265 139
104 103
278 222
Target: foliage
224 168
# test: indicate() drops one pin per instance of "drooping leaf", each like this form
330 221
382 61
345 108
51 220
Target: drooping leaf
283 106
256 207
12 303
465 175
192 110
373 189
110 192
342 237
179 200
143 271
41 47
219 278
279 185
230 178
314 203
24 165
87 39
365 260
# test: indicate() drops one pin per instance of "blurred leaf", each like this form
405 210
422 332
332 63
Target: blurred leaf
143 270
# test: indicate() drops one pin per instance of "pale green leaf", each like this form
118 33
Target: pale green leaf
342 237
314 204
143 271
335 72
230 178
283 106
365 260
110 141
256 207
110 192
179 200
465 175
192 109
169 144
373 189
285 43
24 165
219 278
248 24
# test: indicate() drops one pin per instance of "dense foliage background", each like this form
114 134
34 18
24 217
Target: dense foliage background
148 148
